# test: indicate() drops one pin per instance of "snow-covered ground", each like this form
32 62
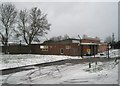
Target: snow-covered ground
102 73
11 61
112 53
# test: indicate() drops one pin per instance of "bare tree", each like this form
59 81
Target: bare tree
32 24
7 18
66 37
59 38
108 39
22 25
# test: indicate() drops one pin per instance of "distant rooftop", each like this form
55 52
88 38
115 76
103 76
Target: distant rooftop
65 41
91 38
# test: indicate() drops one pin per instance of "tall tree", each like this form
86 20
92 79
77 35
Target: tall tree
8 14
65 37
113 38
108 39
59 38
32 25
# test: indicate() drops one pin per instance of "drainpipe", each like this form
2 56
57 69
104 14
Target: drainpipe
108 51
20 46
81 48
94 48
80 45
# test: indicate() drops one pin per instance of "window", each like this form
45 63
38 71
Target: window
68 47
50 46
44 48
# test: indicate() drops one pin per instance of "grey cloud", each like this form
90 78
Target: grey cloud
91 18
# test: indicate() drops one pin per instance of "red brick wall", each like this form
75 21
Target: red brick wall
90 41
17 49
75 49
103 47
54 49
84 48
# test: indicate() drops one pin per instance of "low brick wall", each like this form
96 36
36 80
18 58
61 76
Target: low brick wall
17 49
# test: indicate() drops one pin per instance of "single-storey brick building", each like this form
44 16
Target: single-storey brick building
71 47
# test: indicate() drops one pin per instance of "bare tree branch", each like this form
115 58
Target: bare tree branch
8 14
32 24
7 17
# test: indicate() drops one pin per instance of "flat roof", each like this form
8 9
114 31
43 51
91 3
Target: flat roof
89 43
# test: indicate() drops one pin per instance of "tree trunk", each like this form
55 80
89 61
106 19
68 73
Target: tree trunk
5 48
29 47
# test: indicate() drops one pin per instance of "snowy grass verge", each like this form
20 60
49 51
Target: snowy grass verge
11 61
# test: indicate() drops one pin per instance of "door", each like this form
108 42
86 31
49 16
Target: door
61 51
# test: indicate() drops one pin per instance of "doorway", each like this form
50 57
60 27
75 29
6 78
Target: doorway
61 51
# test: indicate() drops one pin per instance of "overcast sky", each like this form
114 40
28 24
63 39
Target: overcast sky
89 18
